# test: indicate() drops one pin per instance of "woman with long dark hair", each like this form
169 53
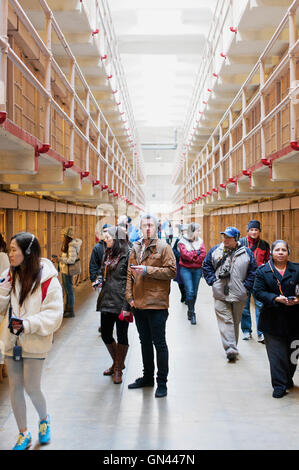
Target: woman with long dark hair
31 308
111 302
276 285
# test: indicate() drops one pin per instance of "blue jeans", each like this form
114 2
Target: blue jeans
191 278
246 317
67 282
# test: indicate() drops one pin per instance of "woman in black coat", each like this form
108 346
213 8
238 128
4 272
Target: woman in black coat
275 286
112 300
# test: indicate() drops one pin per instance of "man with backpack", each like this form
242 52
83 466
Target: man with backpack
151 267
230 269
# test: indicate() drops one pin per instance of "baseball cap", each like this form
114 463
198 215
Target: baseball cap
232 232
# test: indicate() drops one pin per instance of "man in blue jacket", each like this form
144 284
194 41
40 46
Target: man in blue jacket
230 269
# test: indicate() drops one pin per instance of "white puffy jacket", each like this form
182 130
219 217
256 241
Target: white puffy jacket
40 318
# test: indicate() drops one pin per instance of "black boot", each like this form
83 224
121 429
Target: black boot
193 319
190 312
69 313
183 292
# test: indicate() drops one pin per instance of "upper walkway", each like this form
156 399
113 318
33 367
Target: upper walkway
211 404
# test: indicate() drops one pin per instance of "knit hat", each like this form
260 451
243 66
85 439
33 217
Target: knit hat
254 224
68 232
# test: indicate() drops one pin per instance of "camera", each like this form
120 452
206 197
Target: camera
17 320
98 282
292 297
224 273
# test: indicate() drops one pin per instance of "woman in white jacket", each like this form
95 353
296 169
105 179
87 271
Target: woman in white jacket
70 253
31 309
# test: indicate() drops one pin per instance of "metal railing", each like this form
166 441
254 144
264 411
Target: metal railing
107 151
220 154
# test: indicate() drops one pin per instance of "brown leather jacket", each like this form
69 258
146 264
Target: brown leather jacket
151 290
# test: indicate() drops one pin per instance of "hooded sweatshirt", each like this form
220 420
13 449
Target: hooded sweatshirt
71 256
192 253
40 318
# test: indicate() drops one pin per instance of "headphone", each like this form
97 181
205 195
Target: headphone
28 249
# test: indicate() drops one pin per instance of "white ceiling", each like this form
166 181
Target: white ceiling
160 43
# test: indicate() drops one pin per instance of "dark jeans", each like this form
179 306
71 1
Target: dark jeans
169 239
108 320
151 325
67 282
282 360
246 315
191 278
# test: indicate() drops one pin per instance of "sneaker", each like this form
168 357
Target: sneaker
161 391
232 356
247 335
44 435
279 393
142 382
23 442
261 338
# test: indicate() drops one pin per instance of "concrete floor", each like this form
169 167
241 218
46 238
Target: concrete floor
211 404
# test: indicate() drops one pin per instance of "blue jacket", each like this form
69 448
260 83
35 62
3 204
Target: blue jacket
275 318
133 234
95 262
242 273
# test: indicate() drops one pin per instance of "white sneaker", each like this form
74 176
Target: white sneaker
261 338
247 335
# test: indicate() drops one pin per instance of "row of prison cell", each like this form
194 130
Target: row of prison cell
52 102
230 158
47 227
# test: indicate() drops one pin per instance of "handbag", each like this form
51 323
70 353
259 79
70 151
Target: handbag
102 289
75 268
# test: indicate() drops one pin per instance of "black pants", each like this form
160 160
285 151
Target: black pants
108 320
183 292
151 326
283 361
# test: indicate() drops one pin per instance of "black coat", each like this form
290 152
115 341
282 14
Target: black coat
112 299
277 319
95 262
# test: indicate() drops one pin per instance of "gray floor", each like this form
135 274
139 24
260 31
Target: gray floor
211 404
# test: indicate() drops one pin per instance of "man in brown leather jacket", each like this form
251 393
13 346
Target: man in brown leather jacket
151 267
